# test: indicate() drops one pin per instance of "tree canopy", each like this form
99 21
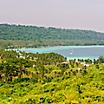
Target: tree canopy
33 36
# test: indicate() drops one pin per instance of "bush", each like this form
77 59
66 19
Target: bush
30 101
18 80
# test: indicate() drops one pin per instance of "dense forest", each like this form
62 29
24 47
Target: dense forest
27 78
33 36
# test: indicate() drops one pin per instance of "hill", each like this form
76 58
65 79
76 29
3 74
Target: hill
27 78
33 36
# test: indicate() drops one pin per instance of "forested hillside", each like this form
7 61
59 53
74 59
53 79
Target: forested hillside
32 36
27 78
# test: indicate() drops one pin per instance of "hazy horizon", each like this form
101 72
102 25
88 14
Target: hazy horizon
69 14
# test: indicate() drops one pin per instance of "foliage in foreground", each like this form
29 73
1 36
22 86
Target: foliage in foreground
52 83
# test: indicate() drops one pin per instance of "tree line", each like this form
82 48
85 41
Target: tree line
33 36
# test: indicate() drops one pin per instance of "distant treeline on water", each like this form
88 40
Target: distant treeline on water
33 36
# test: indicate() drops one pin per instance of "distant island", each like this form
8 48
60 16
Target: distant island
18 36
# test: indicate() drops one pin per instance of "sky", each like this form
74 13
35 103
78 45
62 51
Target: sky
71 14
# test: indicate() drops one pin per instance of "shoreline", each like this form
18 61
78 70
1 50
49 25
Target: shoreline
70 52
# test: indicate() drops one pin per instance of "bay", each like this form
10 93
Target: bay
70 52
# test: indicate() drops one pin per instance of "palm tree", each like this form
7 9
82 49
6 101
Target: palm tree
1 69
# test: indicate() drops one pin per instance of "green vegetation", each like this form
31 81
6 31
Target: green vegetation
32 36
27 78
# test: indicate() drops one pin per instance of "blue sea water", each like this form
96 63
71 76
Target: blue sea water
71 52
